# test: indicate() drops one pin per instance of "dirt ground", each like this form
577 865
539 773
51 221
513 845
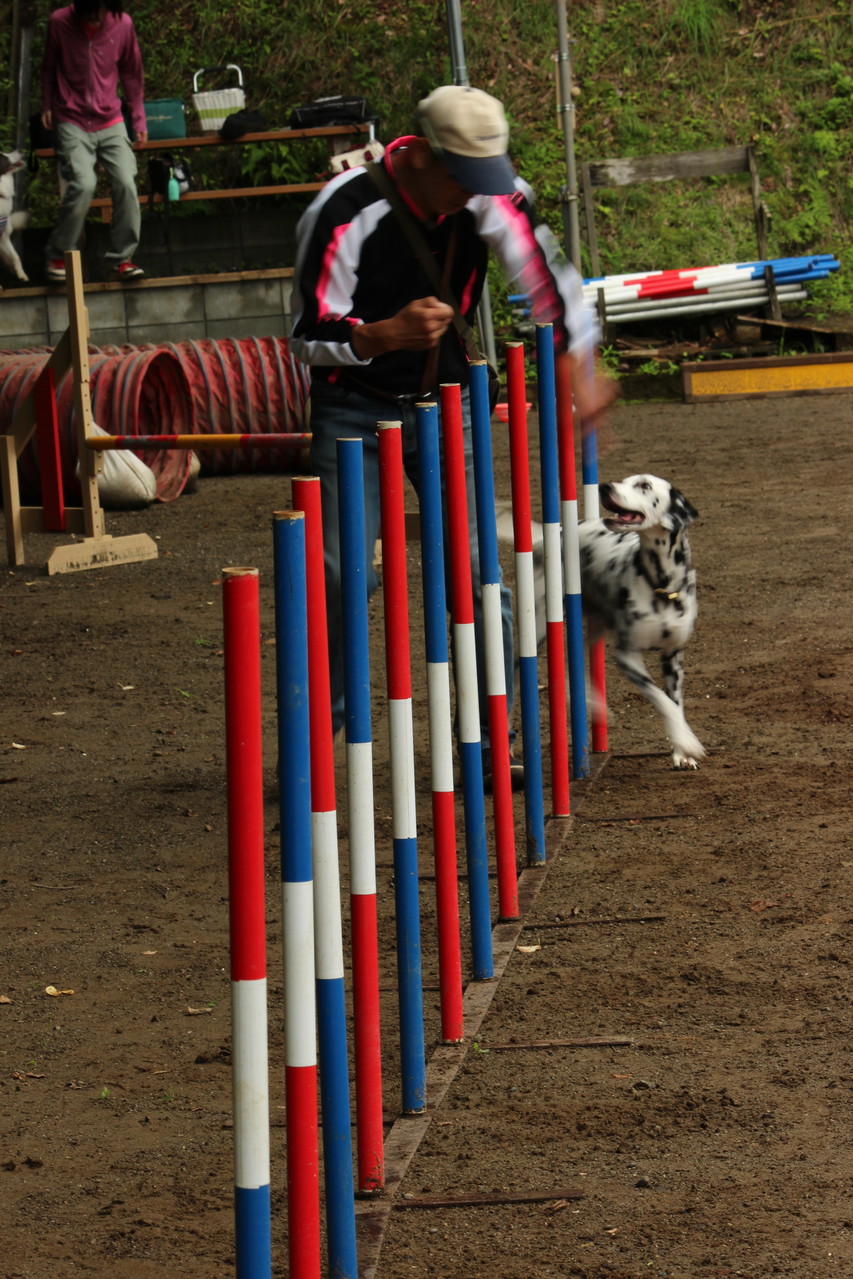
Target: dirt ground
702 919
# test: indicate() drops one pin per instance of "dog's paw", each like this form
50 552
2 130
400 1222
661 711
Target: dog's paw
25 279
688 751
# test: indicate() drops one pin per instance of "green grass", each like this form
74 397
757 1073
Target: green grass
650 79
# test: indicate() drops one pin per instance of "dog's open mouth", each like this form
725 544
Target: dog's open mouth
621 517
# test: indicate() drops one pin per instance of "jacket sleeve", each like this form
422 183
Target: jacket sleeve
132 77
531 257
330 236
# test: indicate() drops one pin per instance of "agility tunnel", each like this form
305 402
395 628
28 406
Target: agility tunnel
250 386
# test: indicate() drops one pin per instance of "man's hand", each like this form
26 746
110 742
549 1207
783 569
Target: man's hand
420 326
142 135
47 119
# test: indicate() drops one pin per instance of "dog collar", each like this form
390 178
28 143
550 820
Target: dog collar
667 595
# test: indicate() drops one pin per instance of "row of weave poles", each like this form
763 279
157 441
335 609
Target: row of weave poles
315 998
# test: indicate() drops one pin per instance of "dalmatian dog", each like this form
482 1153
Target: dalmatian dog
9 221
638 582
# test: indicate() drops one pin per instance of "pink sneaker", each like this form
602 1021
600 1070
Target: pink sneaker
126 271
55 270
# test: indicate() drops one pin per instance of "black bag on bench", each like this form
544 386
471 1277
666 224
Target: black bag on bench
329 111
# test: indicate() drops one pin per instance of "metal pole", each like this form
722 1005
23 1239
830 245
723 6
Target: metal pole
460 77
567 114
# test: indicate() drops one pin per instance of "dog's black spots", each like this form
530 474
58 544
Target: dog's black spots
623 598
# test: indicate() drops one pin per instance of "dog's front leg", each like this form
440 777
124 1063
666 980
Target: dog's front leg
672 666
687 750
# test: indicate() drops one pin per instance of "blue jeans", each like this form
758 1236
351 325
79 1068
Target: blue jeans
336 412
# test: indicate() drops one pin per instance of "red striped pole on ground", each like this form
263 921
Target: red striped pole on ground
440 727
297 896
247 921
402 756
528 656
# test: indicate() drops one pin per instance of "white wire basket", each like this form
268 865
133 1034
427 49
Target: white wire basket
214 107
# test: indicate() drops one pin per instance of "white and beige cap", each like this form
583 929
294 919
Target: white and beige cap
468 131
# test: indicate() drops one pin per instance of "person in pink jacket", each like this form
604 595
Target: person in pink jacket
90 47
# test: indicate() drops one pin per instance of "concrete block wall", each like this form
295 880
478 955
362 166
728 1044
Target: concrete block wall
179 309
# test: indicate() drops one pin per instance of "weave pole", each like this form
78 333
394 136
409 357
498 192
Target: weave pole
572 567
440 727
597 678
549 465
467 695
402 756
247 923
360 816
528 658
496 689
329 951
294 784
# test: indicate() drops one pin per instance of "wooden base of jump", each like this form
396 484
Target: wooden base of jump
772 376
38 415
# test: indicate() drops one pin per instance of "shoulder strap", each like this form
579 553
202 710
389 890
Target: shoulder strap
428 262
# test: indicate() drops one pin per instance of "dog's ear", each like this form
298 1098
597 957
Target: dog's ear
681 512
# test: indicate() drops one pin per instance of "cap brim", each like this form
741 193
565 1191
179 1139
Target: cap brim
490 175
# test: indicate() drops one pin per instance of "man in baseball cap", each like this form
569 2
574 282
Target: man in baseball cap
467 129
383 323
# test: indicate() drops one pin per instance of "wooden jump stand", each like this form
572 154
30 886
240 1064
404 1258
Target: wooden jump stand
97 549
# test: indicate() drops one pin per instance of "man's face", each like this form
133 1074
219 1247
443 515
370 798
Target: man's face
444 193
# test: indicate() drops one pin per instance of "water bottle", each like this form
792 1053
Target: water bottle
174 191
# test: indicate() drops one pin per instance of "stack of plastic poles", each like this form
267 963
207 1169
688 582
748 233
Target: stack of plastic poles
496 676
555 647
467 691
294 784
528 656
589 455
402 757
571 565
360 809
329 955
638 284
712 288
249 1051
440 727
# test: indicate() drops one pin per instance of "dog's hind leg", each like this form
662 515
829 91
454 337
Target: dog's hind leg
687 750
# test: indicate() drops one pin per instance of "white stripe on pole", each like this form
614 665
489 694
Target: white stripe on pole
249 1067
300 1030
441 748
404 823
360 818
327 885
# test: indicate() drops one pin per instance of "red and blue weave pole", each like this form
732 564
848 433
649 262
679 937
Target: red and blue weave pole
440 727
328 933
298 442
467 688
572 567
247 922
597 678
294 783
360 816
402 755
496 690
555 639
528 653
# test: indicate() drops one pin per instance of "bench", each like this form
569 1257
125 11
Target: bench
104 204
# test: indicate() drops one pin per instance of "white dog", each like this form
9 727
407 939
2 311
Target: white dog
9 221
638 581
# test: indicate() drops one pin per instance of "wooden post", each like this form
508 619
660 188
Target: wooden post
97 548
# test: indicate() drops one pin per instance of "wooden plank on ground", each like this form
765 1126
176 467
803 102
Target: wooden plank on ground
771 376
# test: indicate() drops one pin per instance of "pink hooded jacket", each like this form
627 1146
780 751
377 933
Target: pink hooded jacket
80 71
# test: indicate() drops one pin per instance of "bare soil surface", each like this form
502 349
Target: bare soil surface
702 920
